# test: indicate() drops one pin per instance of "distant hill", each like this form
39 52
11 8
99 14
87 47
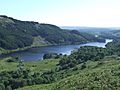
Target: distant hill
114 34
18 34
88 29
110 33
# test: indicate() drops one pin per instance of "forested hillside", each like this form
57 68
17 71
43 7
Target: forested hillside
113 34
18 34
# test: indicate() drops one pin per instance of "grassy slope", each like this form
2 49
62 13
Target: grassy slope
38 87
95 77
36 66
6 66
98 75
42 66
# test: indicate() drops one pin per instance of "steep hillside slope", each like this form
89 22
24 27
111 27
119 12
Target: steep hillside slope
18 34
98 75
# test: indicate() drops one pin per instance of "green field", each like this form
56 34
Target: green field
38 87
36 66
42 66
6 66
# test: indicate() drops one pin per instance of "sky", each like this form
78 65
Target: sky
89 13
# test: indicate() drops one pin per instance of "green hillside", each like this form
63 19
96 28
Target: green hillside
16 34
98 75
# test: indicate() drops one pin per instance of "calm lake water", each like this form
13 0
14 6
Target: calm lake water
37 53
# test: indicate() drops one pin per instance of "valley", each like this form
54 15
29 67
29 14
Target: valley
38 56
